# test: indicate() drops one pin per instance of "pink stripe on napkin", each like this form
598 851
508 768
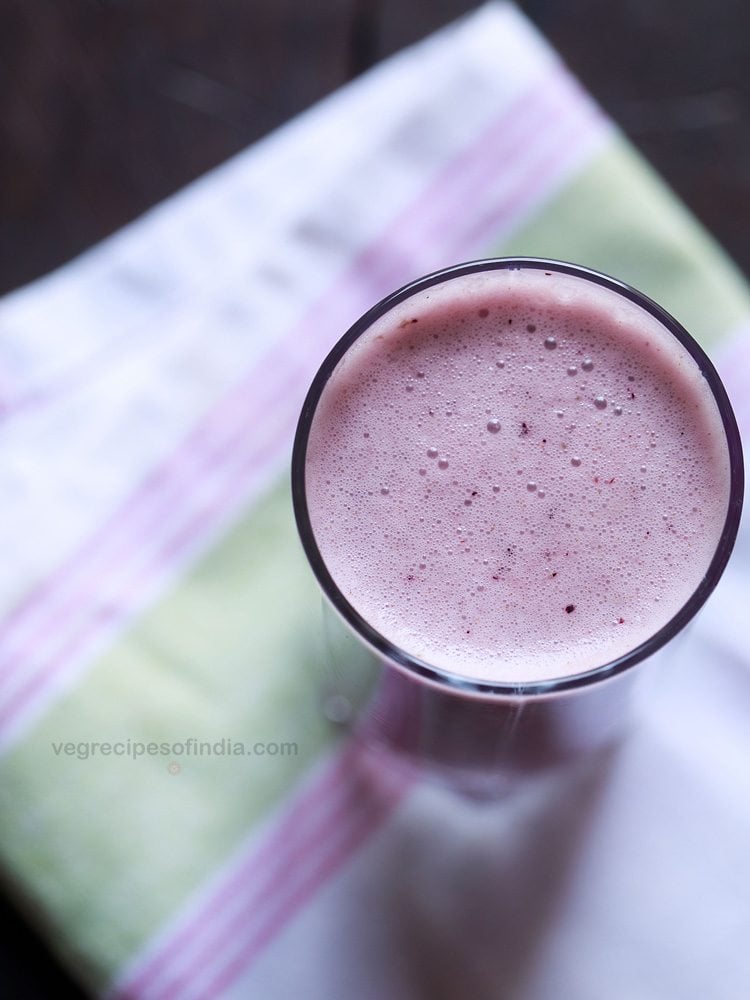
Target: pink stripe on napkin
318 832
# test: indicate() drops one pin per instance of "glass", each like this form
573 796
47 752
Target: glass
475 732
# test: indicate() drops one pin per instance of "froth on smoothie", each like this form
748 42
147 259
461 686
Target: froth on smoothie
517 475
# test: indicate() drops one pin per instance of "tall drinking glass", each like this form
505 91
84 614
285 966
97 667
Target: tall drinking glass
515 480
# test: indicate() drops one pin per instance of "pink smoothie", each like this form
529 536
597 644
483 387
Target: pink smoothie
517 475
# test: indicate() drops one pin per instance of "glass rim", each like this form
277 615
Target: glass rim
440 676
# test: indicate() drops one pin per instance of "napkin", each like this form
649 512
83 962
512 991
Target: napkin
177 815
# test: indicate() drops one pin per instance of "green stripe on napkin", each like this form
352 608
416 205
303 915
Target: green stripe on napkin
111 845
619 217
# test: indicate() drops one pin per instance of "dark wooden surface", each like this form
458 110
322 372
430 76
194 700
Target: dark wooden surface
107 107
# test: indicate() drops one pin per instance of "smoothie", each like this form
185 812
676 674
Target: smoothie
517 475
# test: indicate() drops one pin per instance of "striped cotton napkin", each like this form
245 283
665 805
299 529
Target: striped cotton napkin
175 811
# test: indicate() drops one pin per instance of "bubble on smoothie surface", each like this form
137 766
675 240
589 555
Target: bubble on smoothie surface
549 513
